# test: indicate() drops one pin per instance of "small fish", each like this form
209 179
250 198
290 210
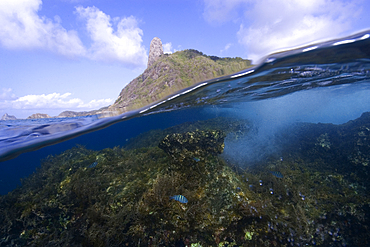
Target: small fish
196 159
93 165
179 198
277 174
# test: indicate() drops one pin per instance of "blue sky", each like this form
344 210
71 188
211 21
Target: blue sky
77 55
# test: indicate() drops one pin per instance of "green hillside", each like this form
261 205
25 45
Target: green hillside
173 72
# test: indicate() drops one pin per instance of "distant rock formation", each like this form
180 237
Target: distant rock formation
156 50
38 115
66 114
8 117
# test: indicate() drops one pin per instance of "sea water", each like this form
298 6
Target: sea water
300 114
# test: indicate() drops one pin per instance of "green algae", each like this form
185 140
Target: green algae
124 200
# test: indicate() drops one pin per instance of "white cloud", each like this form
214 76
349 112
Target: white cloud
269 25
21 27
167 48
218 11
294 23
123 45
96 104
227 47
7 94
52 101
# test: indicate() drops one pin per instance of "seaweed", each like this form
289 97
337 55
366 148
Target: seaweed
125 198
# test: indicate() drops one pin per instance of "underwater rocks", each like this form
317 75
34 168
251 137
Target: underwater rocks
232 127
192 146
306 197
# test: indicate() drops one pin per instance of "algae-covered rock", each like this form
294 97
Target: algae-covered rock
232 127
124 200
193 145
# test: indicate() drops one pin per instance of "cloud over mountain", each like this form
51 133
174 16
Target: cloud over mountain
123 45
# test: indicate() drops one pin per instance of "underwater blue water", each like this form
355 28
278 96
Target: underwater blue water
327 83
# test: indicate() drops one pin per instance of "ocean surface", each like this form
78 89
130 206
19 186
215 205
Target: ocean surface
276 155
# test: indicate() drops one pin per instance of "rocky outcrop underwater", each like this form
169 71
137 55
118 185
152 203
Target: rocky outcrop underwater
172 188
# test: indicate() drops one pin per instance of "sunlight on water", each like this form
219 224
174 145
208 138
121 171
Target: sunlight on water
336 105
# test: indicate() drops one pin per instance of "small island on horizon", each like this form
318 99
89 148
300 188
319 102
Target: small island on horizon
165 74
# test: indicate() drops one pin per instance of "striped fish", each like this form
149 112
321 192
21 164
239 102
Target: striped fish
93 165
179 198
277 174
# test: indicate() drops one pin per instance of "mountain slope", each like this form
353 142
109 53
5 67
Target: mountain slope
171 73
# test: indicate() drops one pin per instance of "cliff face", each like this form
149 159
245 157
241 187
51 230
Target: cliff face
171 73
156 50
165 75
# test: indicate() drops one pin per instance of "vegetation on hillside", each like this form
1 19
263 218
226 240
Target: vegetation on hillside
173 72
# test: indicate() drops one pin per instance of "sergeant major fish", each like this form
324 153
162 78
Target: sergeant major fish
277 174
179 198
93 164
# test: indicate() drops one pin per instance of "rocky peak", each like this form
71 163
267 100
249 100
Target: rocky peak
8 117
156 50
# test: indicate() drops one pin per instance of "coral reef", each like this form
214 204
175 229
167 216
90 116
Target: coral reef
320 199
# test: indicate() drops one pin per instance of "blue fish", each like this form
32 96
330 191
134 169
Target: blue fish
93 165
196 159
179 198
277 174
